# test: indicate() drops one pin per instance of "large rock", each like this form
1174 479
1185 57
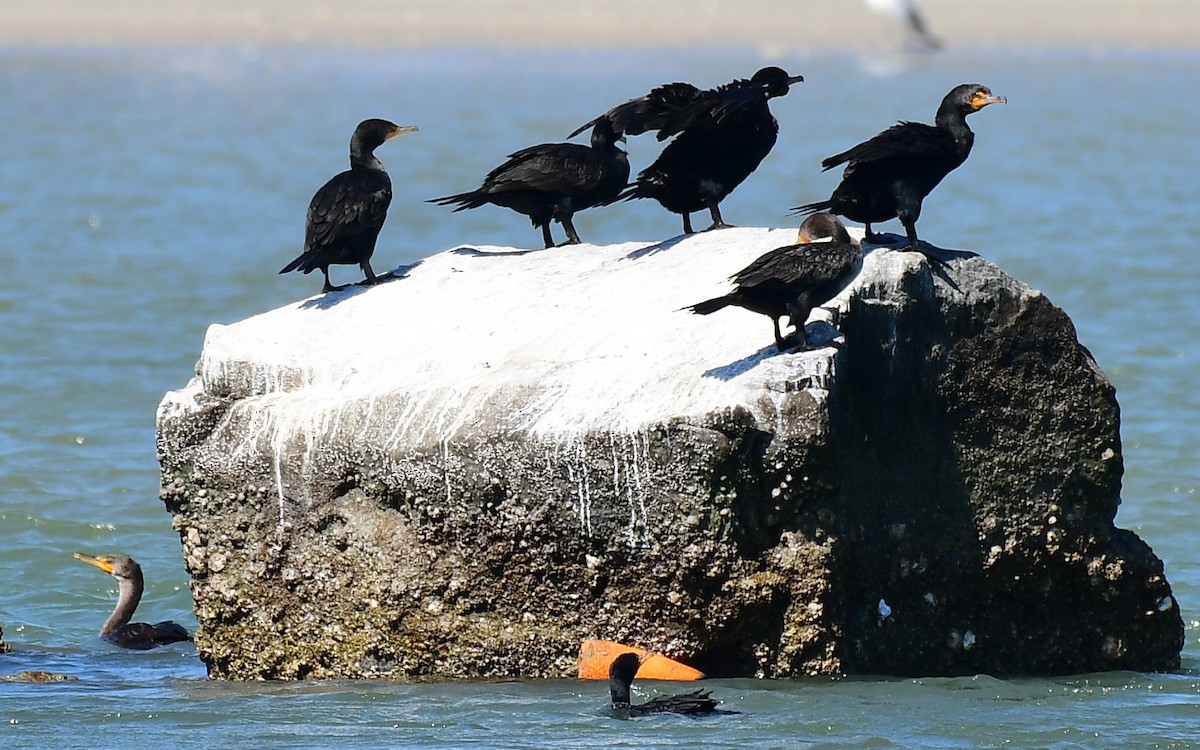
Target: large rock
468 471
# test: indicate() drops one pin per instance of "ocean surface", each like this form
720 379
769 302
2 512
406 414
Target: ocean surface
147 193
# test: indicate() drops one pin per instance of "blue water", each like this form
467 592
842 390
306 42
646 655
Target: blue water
145 194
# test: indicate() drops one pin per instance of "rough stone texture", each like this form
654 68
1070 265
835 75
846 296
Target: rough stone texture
466 472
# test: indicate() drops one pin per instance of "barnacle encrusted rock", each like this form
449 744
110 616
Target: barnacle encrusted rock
467 471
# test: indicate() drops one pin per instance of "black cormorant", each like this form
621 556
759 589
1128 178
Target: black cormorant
794 279
722 135
118 629
620 677
889 176
554 181
346 214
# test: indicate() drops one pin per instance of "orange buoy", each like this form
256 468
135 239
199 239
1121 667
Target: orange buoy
595 657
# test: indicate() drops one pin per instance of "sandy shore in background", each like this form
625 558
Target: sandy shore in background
769 25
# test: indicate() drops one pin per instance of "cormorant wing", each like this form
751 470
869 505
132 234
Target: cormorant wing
904 140
142 636
349 204
548 168
807 262
648 112
713 106
695 702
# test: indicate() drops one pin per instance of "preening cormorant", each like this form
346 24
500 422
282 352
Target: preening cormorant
889 176
722 135
794 279
346 214
118 629
620 677
554 181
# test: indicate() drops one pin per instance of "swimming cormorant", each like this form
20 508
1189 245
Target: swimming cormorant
554 181
346 214
794 279
620 677
722 135
118 629
888 176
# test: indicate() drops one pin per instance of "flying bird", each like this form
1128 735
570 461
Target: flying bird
346 214
908 15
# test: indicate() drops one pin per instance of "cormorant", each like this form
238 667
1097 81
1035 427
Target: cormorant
722 135
794 279
118 629
620 677
554 181
888 176
346 214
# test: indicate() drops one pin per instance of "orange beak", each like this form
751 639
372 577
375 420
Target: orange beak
984 98
101 562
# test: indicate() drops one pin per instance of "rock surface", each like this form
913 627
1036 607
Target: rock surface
468 471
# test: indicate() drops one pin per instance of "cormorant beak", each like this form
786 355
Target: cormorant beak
100 562
793 80
984 98
401 130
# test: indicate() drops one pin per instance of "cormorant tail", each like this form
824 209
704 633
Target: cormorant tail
630 192
305 262
812 208
473 199
712 305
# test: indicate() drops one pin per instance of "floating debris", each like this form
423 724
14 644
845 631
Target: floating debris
37 675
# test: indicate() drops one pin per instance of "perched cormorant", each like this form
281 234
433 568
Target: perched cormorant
554 181
118 629
620 677
888 176
794 279
722 135
346 214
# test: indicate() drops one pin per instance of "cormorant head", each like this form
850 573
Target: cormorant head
121 567
776 80
820 226
970 97
372 133
604 134
620 677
